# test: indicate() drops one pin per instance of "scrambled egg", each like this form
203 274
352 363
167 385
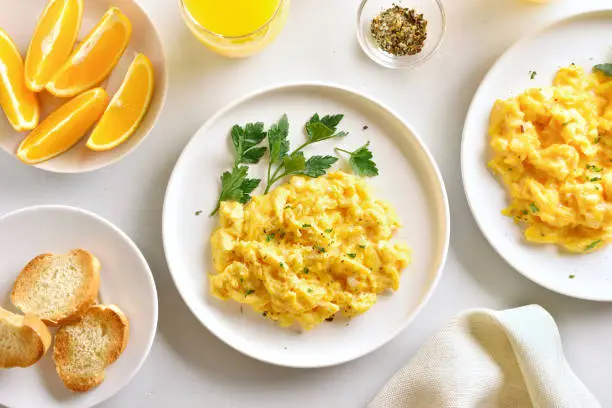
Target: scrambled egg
553 150
307 250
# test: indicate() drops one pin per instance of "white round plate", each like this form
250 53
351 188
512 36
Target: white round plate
19 18
409 179
125 280
582 39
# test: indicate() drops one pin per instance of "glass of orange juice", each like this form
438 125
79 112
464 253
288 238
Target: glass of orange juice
235 28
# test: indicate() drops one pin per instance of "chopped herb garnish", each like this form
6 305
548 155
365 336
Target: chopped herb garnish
306 270
362 246
329 230
533 208
198 212
282 265
525 212
532 74
572 276
594 168
309 290
306 225
596 139
249 292
595 178
241 280
287 206
592 245
269 237
319 248
352 255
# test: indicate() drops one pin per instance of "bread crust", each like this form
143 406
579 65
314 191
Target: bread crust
78 304
64 351
33 330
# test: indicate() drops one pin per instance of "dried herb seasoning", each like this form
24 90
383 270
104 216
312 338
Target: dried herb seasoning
399 31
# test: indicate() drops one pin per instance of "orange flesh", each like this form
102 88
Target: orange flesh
95 57
63 128
127 108
52 42
19 103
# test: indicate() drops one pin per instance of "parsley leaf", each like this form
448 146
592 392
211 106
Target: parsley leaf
317 166
361 161
295 163
352 255
249 292
247 187
269 237
605 69
277 140
244 140
236 187
534 208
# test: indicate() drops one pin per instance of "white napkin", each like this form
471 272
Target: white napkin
488 359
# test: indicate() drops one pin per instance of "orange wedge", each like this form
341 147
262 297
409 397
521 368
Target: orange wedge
127 108
52 42
63 128
95 57
19 103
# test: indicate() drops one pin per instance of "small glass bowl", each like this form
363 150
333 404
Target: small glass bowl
432 11
241 46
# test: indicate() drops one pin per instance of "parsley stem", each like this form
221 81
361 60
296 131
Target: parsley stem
216 210
342 150
274 178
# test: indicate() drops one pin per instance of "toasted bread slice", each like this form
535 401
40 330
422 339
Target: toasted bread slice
84 349
58 288
23 339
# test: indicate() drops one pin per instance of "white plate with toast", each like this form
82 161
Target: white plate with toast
48 252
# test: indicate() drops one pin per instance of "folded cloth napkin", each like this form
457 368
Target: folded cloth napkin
488 359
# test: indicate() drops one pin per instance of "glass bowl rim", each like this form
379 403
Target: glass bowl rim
409 65
193 21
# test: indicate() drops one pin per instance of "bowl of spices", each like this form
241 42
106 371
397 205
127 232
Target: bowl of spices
400 34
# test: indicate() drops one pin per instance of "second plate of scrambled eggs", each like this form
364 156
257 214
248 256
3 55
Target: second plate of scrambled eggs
319 271
537 157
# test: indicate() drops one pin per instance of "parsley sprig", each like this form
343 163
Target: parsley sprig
235 185
295 163
361 161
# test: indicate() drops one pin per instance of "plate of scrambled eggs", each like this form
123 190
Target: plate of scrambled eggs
289 276
537 156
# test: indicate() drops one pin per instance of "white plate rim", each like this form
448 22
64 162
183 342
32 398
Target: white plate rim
136 250
490 239
434 167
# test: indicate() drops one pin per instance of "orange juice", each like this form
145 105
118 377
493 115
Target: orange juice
235 28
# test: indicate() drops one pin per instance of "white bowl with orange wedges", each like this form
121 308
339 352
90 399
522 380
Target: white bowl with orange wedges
95 82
